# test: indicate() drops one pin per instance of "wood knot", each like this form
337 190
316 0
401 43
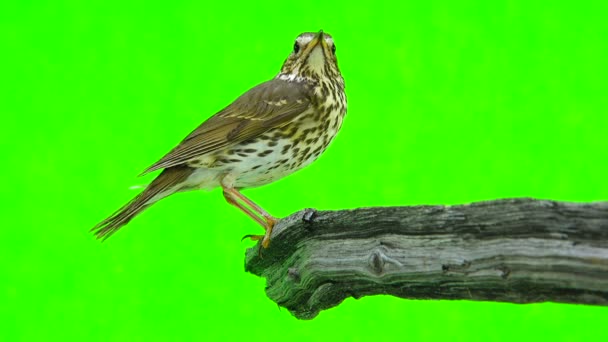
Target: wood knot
309 215
505 272
459 268
294 275
376 262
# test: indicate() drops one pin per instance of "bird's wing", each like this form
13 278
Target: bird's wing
266 106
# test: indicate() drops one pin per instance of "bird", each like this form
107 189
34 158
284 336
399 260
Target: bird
272 130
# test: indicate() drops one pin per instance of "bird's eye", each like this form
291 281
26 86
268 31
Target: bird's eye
296 47
333 49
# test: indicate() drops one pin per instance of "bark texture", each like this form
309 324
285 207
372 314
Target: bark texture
514 250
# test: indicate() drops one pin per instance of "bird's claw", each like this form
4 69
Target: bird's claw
253 237
265 239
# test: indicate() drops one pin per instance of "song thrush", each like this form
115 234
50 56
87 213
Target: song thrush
269 132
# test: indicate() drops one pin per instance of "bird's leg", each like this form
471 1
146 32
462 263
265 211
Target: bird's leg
230 199
267 221
251 204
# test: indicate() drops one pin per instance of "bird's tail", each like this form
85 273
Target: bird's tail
167 183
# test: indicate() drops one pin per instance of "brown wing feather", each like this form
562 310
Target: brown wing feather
164 182
268 105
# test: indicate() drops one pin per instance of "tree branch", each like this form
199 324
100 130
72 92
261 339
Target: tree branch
517 250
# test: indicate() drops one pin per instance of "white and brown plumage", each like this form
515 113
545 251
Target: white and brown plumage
271 131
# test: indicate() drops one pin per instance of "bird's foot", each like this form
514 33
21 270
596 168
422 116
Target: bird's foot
270 222
265 241
252 237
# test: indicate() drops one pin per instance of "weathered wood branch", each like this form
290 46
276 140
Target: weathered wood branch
518 251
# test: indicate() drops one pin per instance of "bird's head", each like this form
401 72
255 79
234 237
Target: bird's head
313 57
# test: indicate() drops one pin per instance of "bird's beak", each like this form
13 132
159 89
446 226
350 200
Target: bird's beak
319 39
320 35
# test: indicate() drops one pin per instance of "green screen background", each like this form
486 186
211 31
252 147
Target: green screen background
449 103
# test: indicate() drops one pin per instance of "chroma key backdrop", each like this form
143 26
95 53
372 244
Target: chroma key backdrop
449 102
